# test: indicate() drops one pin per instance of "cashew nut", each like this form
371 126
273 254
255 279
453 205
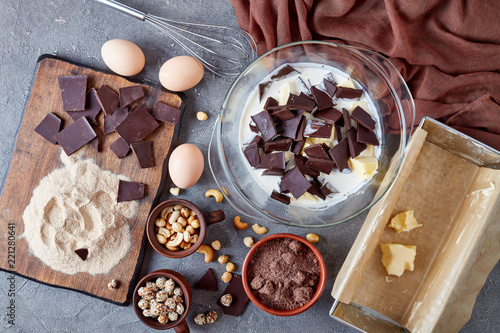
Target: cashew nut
161 239
258 229
177 227
238 224
226 277
195 223
165 232
175 215
230 267
185 212
159 222
207 251
178 207
165 211
248 241
194 238
214 193
172 248
223 259
190 229
174 191
313 238
176 241
201 116
187 237
216 245
182 221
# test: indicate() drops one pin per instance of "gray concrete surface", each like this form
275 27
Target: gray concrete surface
76 30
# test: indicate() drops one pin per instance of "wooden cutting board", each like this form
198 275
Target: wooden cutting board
34 158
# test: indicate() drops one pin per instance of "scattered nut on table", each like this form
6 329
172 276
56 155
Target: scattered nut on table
202 116
207 251
226 277
211 317
223 259
230 267
258 229
313 238
226 299
200 319
113 284
238 224
216 194
174 191
216 245
248 241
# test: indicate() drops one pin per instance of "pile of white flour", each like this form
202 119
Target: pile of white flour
75 207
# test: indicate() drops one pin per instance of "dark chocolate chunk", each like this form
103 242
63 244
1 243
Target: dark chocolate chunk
253 128
263 88
340 154
48 127
128 191
300 162
348 93
111 121
108 99
317 151
366 136
258 140
300 102
265 125
355 147
129 95
92 108
332 115
284 72
278 145
82 253
363 118
167 113
347 120
144 153
325 166
207 281
329 77
280 197
240 298
330 87
283 188
73 91
316 190
274 160
338 132
295 181
304 87
137 125
323 101
282 113
297 147
300 131
290 126
273 172
327 189
270 102
318 129
252 154
75 136
120 148
96 142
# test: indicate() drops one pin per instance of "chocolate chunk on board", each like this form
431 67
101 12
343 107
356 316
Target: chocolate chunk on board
300 102
355 147
120 148
96 142
289 127
48 127
137 125
73 91
295 181
274 160
75 136
278 145
263 88
280 197
325 166
207 281
82 253
300 162
323 100
166 113
348 93
128 191
108 99
331 114
362 117
92 108
129 95
111 121
366 136
317 151
318 129
252 154
330 87
265 125
284 72
144 153
340 154
240 298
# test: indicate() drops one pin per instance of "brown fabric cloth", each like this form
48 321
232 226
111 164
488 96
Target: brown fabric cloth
448 51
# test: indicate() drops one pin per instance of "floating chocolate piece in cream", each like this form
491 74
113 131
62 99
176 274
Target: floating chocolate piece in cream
331 114
144 153
282 113
318 129
82 253
108 99
111 121
75 136
348 93
137 125
321 165
278 145
295 181
273 172
347 119
240 298
355 147
73 91
48 127
328 189
297 146
330 87
274 160
316 190
253 128
323 101
340 154
265 125
207 281
270 102
366 136
252 154
284 72
317 151
128 191
120 148
363 118
338 132
300 102
304 87
167 113
92 108
280 197
300 163
129 95
263 88
289 127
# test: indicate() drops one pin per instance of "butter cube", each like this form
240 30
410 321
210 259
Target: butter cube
369 151
284 93
348 84
404 221
364 166
397 258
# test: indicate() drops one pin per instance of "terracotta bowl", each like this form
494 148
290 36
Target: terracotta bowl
205 220
180 324
280 312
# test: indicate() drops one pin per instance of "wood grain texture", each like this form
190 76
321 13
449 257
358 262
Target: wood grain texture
34 158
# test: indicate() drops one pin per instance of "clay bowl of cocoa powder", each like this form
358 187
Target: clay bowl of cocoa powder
284 274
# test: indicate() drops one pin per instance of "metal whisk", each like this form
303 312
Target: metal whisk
223 50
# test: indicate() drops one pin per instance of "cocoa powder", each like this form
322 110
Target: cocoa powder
283 273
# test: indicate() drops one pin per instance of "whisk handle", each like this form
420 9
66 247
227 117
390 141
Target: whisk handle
124 8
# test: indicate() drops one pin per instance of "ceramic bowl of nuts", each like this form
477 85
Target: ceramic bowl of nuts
162 299
284 274
176 227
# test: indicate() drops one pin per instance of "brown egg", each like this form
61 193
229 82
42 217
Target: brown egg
123 57
185 165
181 73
